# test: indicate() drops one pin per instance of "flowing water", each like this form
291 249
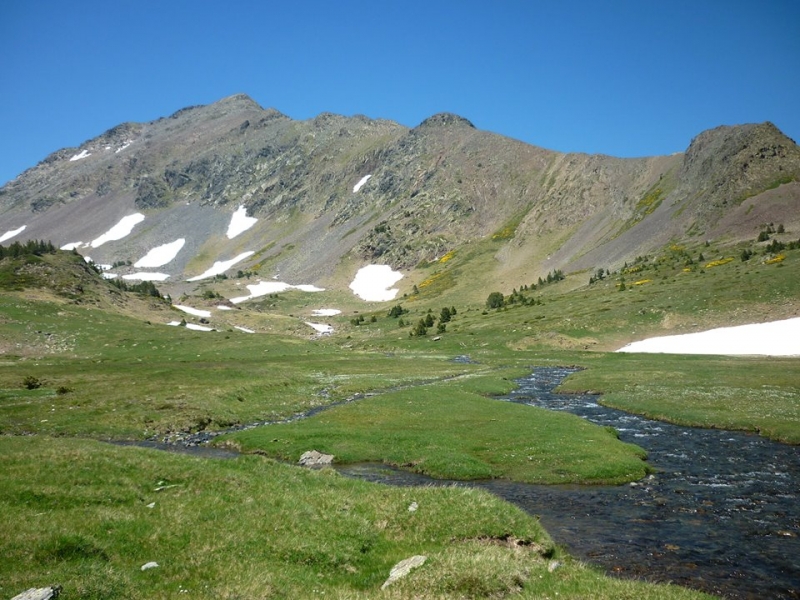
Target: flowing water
722 514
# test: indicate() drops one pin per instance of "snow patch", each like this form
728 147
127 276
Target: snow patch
308 288
160 255
320 327
146 276
361 183
221 266
191 326
263 288
120 230
73 246
325 312
240 222
223 307
777 338
245 329
373 282
121 148
82 154
193 311
10 234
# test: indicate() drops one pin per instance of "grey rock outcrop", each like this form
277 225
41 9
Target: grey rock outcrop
403 568
45 593
312 458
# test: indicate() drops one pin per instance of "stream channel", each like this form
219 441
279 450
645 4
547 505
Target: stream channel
721 514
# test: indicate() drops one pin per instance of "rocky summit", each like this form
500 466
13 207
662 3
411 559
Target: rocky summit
232 185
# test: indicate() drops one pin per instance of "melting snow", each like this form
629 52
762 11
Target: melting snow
125 145
372 283
82 154
326 312
778 338
221 266
245 329
193 311
10 234
263 288
161 255
308 288
147 276
240 222
191 326
73 245
361 183
320 328
223 307
120 230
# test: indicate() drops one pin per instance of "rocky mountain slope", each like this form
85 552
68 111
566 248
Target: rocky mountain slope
335 193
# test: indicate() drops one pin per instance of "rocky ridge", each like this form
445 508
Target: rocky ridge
432 189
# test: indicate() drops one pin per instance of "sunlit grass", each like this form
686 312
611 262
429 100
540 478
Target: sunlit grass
88 515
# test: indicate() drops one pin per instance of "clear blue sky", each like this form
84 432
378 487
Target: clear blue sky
625 78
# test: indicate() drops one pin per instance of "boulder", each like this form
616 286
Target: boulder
45 593
312 458
403 568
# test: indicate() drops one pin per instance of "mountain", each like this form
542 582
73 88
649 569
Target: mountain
313 201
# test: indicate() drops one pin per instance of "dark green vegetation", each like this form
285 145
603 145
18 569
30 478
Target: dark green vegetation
84 359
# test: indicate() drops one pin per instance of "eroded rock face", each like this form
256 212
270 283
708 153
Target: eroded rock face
312 458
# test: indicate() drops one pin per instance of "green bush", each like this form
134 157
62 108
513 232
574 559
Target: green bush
495 300
31 383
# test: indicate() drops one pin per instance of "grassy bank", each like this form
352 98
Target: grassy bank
88 516
448 432
749 394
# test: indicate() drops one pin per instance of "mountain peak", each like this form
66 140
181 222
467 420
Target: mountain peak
445 119
239 101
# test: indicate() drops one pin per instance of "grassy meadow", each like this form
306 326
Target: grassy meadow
75 372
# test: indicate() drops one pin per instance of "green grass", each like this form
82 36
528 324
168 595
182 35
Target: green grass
750 394
445 431
73 511
76 513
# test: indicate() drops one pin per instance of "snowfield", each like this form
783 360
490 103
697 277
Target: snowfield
73 245
219 267
160 255
80 155
777 338
373 282
146 276
10 234
325 312
120 230
263 288
361 183
320 327
193 311
240 222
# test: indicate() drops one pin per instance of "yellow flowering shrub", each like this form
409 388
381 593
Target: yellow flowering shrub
717 263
